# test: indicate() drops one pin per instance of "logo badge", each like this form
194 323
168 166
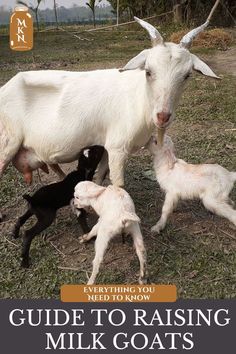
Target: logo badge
21 29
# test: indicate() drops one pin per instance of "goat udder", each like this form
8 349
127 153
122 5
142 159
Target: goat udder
28 177
26 161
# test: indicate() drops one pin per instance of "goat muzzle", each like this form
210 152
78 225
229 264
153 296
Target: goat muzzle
163 119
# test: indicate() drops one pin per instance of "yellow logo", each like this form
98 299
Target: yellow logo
21 29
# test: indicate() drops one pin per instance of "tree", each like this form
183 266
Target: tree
187 11
34 9
140 8
55 11
92 5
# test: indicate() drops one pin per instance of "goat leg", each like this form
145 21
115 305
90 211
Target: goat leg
45 219
117 161
168 207
87 237
135 231
101 244
57 169
20 222
102 170
82 219
8 149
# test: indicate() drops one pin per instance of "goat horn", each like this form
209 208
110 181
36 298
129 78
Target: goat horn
156 37
189 37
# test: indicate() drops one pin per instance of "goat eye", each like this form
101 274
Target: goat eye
148 73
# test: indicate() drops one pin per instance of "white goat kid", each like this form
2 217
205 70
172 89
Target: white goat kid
211 183
55 114
116 212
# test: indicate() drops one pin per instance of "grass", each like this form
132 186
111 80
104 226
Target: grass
60 50
196 251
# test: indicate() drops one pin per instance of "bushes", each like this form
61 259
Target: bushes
214 38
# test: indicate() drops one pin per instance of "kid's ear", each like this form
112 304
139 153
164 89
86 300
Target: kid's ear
86 153
171 159
92 192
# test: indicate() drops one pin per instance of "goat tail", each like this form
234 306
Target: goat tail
128 218
27 197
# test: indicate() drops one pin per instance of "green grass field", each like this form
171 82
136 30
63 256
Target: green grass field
196 251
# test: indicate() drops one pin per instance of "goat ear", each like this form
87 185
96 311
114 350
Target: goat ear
136 62
202 67
86 153
93 191
171 159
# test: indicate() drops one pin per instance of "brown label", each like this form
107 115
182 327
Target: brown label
21 30
118 293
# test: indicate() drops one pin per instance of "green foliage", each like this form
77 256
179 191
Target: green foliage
192 11
92 5
140 8
30 6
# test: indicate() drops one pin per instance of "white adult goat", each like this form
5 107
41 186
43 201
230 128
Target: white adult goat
54 114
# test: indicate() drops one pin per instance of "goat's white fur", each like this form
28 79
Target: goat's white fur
211 183
116 212
57 113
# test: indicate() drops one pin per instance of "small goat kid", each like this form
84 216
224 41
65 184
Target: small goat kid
116 212
48 199
211 183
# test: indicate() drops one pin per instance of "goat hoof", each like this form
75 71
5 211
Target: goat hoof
14 234
143 281
24 263
83 238
156 229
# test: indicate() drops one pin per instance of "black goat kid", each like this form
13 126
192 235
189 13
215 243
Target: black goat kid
47 200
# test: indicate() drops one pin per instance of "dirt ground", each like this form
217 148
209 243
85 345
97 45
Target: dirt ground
225 61
197 249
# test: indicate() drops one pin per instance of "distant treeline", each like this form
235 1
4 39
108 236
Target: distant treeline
190 12
75 14
185 11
